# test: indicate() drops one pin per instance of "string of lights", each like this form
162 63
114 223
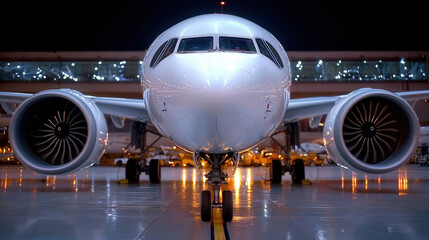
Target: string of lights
301 70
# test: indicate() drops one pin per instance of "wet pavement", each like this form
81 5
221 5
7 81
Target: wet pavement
90 204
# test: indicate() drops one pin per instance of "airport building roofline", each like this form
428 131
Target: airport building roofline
72 55
356 55
139 55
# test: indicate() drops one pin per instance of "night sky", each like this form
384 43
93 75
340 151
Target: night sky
300 25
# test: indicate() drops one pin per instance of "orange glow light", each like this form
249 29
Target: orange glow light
366 182
354 183
222 3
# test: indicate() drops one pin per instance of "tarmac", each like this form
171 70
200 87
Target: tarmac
90 204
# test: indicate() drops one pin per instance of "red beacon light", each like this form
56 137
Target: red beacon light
222 4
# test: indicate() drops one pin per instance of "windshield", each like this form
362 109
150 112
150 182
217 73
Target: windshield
195 44
269 51
236 44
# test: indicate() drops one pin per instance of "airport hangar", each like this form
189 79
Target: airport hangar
374 208
318 73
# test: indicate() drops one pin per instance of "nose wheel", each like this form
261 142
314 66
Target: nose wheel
206 206
226 205
227 211
216 177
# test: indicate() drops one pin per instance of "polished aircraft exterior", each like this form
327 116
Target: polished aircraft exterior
216 99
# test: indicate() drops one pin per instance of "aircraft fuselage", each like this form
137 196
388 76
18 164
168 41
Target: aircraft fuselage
217 96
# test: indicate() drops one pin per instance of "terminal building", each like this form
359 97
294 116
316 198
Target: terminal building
317 71
118 74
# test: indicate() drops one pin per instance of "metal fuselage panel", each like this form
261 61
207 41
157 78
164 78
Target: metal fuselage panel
216 100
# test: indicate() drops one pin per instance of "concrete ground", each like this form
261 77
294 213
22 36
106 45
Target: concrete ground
90 204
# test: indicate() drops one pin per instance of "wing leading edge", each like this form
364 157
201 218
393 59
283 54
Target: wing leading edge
302 108
134 109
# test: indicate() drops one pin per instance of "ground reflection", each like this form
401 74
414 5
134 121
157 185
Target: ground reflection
361 183
21 179
402 182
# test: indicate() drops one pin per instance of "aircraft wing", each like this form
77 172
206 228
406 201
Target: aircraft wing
302 108
134 109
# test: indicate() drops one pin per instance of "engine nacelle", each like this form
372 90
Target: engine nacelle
371 131
58 131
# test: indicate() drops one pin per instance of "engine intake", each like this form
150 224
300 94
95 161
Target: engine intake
58 131
372 131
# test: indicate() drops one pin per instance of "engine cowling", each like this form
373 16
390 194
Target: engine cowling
371 131
58 131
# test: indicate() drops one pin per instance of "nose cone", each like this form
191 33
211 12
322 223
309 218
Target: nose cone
217 73
217 100
215 80
214 105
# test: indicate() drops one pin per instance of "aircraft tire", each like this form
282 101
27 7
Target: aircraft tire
206 206
227 206
154 171
276 171
298 171
131 171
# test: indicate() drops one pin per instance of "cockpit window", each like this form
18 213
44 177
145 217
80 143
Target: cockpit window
236 44
165 50
276 54
269 51
197 44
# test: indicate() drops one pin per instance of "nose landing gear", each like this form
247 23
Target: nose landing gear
216 177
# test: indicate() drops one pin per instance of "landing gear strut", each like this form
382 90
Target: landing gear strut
216 177
296 168
135 167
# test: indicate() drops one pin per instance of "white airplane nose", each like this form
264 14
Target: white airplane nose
216 80
214 102
217 101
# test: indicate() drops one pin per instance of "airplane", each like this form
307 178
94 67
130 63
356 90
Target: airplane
215 85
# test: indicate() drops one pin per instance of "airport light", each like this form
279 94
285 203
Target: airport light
222 4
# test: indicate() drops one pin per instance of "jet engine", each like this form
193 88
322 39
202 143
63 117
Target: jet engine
371 131
58 131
